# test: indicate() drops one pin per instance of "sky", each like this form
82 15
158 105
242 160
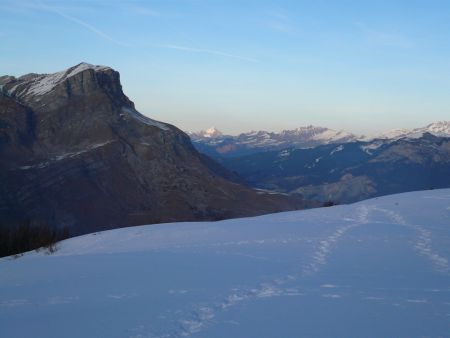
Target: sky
363 66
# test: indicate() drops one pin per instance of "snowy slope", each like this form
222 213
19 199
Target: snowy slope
377 268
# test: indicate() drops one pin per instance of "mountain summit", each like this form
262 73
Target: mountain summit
33 86
212 132
75 152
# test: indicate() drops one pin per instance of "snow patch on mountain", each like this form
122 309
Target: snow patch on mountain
370 147
331 136
440 129
337 149
144 119
391 134
284 153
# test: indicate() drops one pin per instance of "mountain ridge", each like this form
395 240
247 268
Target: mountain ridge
216 144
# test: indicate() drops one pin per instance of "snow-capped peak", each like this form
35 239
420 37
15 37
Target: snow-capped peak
212 132
40 84
208 133
440 128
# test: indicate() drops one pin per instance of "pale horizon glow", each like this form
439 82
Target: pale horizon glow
360 66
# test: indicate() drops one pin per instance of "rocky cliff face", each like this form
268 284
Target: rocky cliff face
74 152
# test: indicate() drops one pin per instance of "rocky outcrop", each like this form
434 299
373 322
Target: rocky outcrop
74 152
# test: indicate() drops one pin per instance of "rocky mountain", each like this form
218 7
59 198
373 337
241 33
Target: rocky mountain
347 172
214 143
75 152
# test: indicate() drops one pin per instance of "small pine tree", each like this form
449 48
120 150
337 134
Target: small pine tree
329 203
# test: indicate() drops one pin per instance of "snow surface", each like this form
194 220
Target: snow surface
377 268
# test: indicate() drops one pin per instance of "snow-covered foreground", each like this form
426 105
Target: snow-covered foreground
378 268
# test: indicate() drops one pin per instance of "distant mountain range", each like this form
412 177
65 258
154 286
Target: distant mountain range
75 153
214 143
350 171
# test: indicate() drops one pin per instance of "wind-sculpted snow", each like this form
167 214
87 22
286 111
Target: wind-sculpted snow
377 268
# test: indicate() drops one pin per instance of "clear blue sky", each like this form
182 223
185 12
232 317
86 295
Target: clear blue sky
364 66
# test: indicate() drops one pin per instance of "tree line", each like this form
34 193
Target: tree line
29 235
